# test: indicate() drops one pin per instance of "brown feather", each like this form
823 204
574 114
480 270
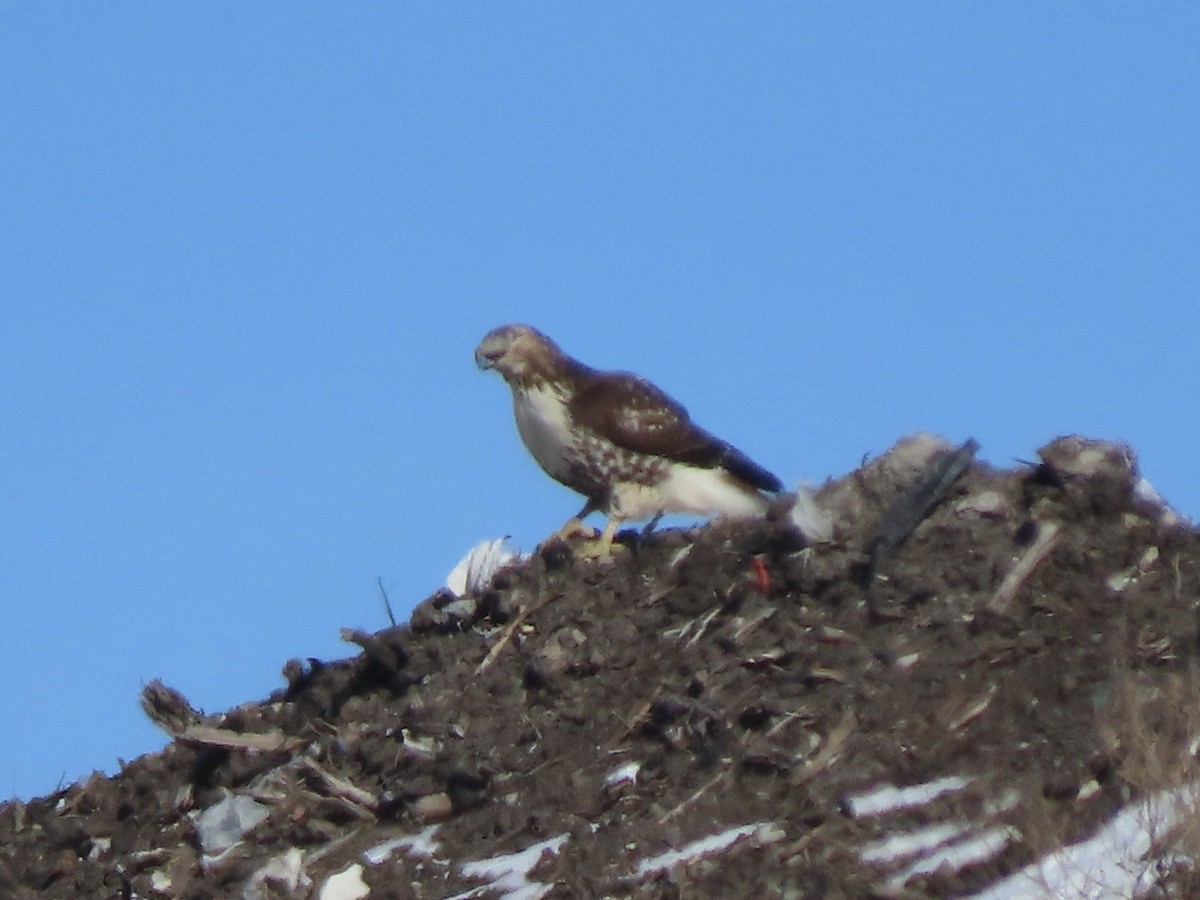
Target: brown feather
635 415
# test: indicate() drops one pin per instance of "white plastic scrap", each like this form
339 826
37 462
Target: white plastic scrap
622 775
222 825
286 870
763 832
476 570
888 798
510 874
345 885
100 846
810 520
426 747
419 844
1112 863
160 882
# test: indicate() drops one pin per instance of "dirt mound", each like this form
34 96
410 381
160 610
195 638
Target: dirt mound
721 711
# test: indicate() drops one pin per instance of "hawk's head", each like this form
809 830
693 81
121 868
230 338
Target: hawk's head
522 354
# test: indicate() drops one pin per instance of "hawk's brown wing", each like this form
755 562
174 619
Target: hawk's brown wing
634 414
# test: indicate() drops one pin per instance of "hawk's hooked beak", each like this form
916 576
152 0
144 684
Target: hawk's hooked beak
489 352
485 359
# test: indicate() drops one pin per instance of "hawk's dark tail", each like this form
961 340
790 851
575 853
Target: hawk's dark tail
738 464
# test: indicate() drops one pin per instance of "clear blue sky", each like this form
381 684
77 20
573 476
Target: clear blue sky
247 251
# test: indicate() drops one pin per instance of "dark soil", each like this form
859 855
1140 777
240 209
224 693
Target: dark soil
753 680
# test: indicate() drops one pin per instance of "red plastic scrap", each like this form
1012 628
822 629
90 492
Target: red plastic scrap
762 578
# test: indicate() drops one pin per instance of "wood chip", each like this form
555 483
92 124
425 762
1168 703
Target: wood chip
829 751
266 742
972 710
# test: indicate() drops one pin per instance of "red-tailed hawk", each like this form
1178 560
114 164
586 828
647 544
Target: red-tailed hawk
630 449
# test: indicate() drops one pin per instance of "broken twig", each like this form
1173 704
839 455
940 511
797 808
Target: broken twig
340 788
829 751
1023 568
629 723
387 603
512 627
700 792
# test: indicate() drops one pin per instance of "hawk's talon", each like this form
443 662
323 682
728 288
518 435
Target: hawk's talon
575 529
585 541
598 551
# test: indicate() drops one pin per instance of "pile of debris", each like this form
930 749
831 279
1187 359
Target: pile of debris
983 682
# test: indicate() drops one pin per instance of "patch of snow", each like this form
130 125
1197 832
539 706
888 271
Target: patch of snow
345 885
958 855
419 844
222 825
625 773
1143 490
889 798
1111 863
510 874
764 832
899 846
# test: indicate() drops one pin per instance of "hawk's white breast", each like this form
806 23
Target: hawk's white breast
542 421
